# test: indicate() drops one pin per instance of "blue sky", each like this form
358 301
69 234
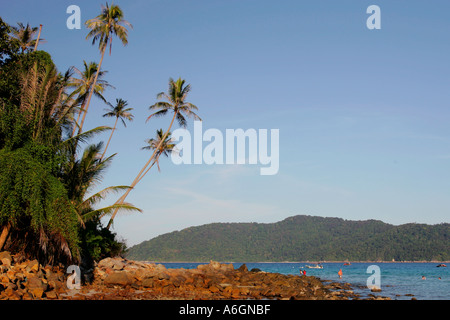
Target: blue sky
363 114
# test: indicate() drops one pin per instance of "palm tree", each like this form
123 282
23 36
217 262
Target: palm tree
84 85
166 147
45 103
119 112
24 36
108 23
176 103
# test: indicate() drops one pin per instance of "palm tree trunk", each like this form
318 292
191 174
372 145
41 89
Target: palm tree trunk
115 124
78 118
148 169
4 235
139 177
37 40
92 91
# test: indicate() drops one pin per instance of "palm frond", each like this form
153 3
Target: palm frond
128 207
85 136
101 195
159 113
181 120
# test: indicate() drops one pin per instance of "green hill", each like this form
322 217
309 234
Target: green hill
299 238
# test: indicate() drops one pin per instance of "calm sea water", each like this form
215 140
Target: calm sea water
396 279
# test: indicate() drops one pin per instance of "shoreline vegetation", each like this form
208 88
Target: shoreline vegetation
50 172
122 279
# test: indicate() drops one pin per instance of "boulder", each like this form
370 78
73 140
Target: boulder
37 292
243 268
118 278
215 266
52 295
5 258
36 287
32 266
36 283
142 273
215 288
112 263
160 268
161 276
148 283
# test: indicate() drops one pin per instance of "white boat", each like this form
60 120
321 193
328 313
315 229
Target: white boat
317 266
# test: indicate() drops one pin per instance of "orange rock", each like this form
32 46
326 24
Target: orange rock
4 278
37 292
214 289
51 295
235 293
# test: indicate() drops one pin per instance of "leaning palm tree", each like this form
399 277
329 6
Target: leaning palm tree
25 36
165 147
84 85
108 23
176 103
119 112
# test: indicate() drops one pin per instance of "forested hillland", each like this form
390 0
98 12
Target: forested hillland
299 238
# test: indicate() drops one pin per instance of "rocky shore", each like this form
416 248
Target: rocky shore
118 278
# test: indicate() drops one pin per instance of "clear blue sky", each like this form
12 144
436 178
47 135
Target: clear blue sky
363 114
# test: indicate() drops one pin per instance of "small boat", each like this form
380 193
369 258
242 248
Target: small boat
441 265
317 266
347 264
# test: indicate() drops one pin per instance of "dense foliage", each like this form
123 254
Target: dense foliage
36 205
300 238
33 201
47 202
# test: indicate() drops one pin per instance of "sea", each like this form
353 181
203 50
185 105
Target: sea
397 280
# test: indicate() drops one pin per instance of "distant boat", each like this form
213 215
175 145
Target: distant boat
317 266
441 265
347 264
